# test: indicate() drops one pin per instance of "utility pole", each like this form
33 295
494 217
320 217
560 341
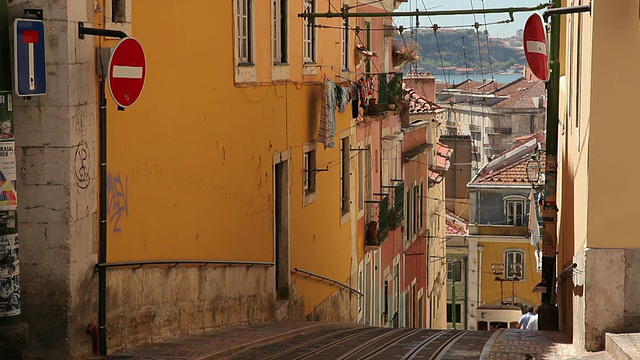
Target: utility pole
13 333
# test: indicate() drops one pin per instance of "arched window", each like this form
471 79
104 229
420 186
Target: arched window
514 206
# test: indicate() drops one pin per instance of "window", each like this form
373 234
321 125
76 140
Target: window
345 175
117 15
458 313
514 211
421 206
416 210
309 173
309 181
367 27
309 39
119 11
243 31
361 175
514 264
345 47
280 31
454 271
408 215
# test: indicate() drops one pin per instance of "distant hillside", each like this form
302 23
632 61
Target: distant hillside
503 54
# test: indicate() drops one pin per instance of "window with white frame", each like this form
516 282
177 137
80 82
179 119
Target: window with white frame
244 24
279 31
309 35
514 210
514 264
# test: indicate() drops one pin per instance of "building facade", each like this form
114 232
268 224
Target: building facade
596 197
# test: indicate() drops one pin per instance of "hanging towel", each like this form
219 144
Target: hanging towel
327 130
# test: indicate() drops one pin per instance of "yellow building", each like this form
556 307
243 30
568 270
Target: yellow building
502 242
597 197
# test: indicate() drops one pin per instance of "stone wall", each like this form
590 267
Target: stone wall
152 304
56 150
606 295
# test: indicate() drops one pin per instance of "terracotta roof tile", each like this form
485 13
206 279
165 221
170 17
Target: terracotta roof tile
514 170
419 104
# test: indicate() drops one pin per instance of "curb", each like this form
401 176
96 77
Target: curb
486 350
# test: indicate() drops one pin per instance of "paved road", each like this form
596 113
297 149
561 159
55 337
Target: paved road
315 340
373 343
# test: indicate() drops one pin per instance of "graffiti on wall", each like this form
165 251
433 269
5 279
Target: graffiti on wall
81 165
117 202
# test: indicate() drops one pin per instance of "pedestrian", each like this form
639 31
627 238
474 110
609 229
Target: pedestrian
533 321
524 319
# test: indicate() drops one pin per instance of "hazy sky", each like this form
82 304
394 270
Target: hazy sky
498 30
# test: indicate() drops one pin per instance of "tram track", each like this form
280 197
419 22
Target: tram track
290 353
423 351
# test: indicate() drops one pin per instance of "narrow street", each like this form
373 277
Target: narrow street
315 340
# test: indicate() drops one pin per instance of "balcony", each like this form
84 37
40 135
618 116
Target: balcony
377 215
475 128
498 230
389 93
498 130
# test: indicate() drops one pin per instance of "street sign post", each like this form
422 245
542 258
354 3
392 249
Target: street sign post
535 46
127 72
29 62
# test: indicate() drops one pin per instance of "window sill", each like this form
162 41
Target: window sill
280 71
309 199
246 73
310 69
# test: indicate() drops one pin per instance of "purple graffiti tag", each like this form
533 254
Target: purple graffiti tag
117 202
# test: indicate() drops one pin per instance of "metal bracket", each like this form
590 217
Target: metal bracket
33 14
82 31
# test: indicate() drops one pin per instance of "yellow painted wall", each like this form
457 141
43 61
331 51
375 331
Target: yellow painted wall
612 133
494 253
194 156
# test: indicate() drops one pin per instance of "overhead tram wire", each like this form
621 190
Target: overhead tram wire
486 34
477 25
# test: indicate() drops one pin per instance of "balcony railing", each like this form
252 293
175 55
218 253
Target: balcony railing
396 214
475 128
378 225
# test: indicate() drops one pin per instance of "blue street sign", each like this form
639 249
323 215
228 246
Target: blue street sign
29 63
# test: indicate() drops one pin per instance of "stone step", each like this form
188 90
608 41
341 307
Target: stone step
623 346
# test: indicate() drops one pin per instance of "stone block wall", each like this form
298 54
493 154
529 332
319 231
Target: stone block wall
155 303
605 295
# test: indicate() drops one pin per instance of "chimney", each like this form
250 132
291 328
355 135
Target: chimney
423 83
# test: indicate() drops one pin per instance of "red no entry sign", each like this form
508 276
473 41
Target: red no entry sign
535 46
127 71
